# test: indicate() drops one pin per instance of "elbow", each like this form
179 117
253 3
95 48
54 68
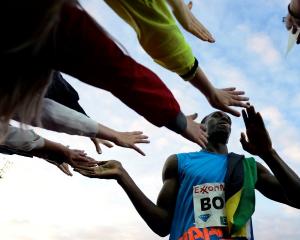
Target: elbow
163 229
163 232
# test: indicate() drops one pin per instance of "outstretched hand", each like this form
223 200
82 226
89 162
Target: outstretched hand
129 139
195 132
105 170
259 141
222 99
189 22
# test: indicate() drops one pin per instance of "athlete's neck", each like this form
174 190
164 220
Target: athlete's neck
219 148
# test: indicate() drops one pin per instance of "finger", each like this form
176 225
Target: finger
238 92
288 23
231 111
203 139
64 170
251 113
239 98
203 128
228 89
141 141
138 150
106 143
101 163
203 31
239 104
142 137
137 132
85 171
98 148
294 29
67 170
190 5
193 116
97 145
260 121
201 143
81 152
245 117
244 142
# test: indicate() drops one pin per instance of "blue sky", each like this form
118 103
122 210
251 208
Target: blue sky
40 202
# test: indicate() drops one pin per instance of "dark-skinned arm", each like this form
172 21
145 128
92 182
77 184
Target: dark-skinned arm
285 185
273 189
157 216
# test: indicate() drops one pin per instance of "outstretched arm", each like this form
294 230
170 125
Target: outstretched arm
28 142
285 185
85 51
157 216
57 117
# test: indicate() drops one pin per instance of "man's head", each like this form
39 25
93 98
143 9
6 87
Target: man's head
218 125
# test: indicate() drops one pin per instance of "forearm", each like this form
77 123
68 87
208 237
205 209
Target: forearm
285 175
22 139
156 218
51 151
57 117
295 7
201 82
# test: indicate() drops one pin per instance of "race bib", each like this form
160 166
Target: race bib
209 205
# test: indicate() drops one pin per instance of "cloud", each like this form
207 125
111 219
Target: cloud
262 45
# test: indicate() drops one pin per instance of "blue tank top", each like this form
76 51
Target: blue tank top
200 173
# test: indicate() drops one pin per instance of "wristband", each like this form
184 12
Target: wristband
293 14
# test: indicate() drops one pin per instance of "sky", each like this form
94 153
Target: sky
40 202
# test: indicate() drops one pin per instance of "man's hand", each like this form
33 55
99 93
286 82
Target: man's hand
98 141
188 21
105 170
223 98
78 159
259 142
290 21
129 139
195 132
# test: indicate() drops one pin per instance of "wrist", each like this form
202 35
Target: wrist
267 154
122 176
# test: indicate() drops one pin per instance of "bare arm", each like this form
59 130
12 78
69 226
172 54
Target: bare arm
273 189
157 216
285 185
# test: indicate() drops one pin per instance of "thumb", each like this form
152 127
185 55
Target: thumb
244 142
193 116
231 111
